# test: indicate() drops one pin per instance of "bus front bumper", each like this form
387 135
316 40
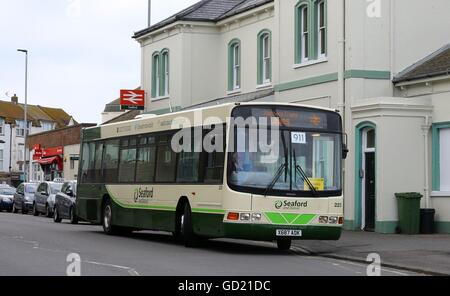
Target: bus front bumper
264 232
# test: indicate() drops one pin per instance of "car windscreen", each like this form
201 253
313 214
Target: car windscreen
56 188
7 191
31 189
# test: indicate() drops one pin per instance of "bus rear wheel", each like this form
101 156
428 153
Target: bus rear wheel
284 244
187 229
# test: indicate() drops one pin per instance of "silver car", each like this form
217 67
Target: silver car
24 197
44 198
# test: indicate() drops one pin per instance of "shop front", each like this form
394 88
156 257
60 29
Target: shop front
51 161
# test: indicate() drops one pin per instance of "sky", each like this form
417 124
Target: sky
81 52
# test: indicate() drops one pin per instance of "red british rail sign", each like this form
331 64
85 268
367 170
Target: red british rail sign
132 99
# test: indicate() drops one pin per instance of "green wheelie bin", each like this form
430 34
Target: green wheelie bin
409 212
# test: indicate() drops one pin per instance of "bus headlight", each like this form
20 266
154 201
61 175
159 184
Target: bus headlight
245 217
333 220
256 217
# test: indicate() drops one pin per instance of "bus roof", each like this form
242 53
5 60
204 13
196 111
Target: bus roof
222 107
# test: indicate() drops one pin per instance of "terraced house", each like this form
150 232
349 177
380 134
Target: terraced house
12 132
383 64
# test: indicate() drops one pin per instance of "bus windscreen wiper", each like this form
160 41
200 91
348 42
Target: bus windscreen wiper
275 179
284 166
300 170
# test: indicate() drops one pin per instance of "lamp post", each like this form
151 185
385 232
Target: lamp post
149 13
26 115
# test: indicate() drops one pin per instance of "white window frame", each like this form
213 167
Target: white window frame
236 66
166 63
267 57
444 135
320 29
304 34
157 76
20 129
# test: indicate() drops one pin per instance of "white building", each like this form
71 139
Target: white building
12 131
341 54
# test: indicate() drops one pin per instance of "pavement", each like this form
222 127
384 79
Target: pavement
428 254
36 246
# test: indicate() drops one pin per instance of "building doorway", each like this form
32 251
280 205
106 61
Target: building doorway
368 182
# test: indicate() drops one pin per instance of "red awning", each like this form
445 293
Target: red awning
51 160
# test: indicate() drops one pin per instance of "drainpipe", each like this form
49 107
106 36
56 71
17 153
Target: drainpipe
341 64
426 132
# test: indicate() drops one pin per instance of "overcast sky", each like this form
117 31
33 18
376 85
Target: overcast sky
81 51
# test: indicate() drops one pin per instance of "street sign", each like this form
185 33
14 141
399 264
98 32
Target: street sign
132 99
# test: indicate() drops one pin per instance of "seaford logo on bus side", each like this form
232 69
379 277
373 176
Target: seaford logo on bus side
290 205
143 195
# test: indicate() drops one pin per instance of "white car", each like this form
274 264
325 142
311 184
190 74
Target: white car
6 198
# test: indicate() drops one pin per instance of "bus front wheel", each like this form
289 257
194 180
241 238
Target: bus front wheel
187 229
284 244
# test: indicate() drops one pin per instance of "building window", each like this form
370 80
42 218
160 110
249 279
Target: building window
264 57
165 73
321 29
441 157
2 126
20 129
234 65
156 76
311 30
160 74
46 126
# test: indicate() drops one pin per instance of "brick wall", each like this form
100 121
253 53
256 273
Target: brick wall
61 137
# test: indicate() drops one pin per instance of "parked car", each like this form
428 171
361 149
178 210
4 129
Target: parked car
6 198
44 198
65 203
24 197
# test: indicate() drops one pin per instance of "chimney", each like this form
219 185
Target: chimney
14 99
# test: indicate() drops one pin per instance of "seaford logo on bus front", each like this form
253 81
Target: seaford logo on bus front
143 195
290 205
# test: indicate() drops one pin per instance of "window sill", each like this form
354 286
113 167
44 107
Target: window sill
440 194
310 63
160 98
265 85
234 92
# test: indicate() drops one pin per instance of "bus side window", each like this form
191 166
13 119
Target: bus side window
111 161
98 172
85 163
91 165
189 162
166 162
127 167
214 161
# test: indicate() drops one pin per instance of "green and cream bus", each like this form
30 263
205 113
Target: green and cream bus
132 178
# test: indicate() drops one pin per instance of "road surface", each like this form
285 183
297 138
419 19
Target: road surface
36 246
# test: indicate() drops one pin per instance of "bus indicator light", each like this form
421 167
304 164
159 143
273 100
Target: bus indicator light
233 216
341 220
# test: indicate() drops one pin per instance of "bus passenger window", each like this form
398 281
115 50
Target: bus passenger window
111 161
127 167
166 162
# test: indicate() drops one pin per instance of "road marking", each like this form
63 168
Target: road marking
130 270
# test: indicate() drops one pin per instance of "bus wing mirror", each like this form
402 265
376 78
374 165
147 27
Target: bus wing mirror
345 149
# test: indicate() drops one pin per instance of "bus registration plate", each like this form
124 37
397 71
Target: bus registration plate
289 233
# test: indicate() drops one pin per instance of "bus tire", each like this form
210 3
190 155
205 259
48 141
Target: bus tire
107 220
284 244
187 229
